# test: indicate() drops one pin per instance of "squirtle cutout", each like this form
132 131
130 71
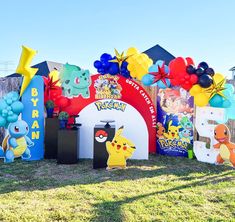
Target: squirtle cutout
16 143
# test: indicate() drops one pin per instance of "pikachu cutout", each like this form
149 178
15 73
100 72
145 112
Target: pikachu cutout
119 150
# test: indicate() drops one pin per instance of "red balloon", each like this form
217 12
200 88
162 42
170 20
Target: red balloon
177 65
62 102
187 86
174 82
189 61
55 93
179 75
193 79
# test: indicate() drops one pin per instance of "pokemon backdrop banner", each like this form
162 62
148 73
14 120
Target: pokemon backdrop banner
112 97
175 121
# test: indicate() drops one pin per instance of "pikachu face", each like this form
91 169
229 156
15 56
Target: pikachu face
121 144
119 149
173 131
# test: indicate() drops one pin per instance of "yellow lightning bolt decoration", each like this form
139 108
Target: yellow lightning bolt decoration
24 68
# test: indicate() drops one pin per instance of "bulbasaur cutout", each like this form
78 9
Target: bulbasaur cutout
75 81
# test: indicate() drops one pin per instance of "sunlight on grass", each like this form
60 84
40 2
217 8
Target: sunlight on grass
161 189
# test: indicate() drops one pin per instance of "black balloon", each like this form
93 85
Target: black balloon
190 69
203 65
199 71
205 81
210 71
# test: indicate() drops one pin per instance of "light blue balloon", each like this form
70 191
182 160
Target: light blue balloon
153 68
159 63
226 103
147 79
4 114
9 101
17 107
13 118
10 113
2 121
229 87
216 101
225 120
161 84
167 70
3 104
5 111
231 111
13 94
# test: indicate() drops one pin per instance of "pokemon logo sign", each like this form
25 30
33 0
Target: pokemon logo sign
110 105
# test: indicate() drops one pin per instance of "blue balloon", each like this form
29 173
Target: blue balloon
101 71
162 85
97 64
105 57
113 68
105 64
216 101
147 80
203 65
124 65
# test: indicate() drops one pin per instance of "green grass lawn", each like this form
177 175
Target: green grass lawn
161 189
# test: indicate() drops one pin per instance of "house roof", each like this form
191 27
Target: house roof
155 53
232 69
44 68
159 53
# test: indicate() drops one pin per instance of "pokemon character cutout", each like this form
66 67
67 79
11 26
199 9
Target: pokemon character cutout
119 150
75 81
16 143
226 148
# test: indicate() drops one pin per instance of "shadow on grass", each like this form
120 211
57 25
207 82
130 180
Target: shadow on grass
113 211
47 174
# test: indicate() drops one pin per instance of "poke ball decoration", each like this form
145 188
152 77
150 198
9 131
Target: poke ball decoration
101 136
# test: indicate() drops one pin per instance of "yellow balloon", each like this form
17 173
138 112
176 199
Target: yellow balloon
132 51
195 90
218 77
24 68
55 75
201 99
138 63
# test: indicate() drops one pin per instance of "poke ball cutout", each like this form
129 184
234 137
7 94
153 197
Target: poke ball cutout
101 136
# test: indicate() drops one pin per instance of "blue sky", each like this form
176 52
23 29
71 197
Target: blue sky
79 31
